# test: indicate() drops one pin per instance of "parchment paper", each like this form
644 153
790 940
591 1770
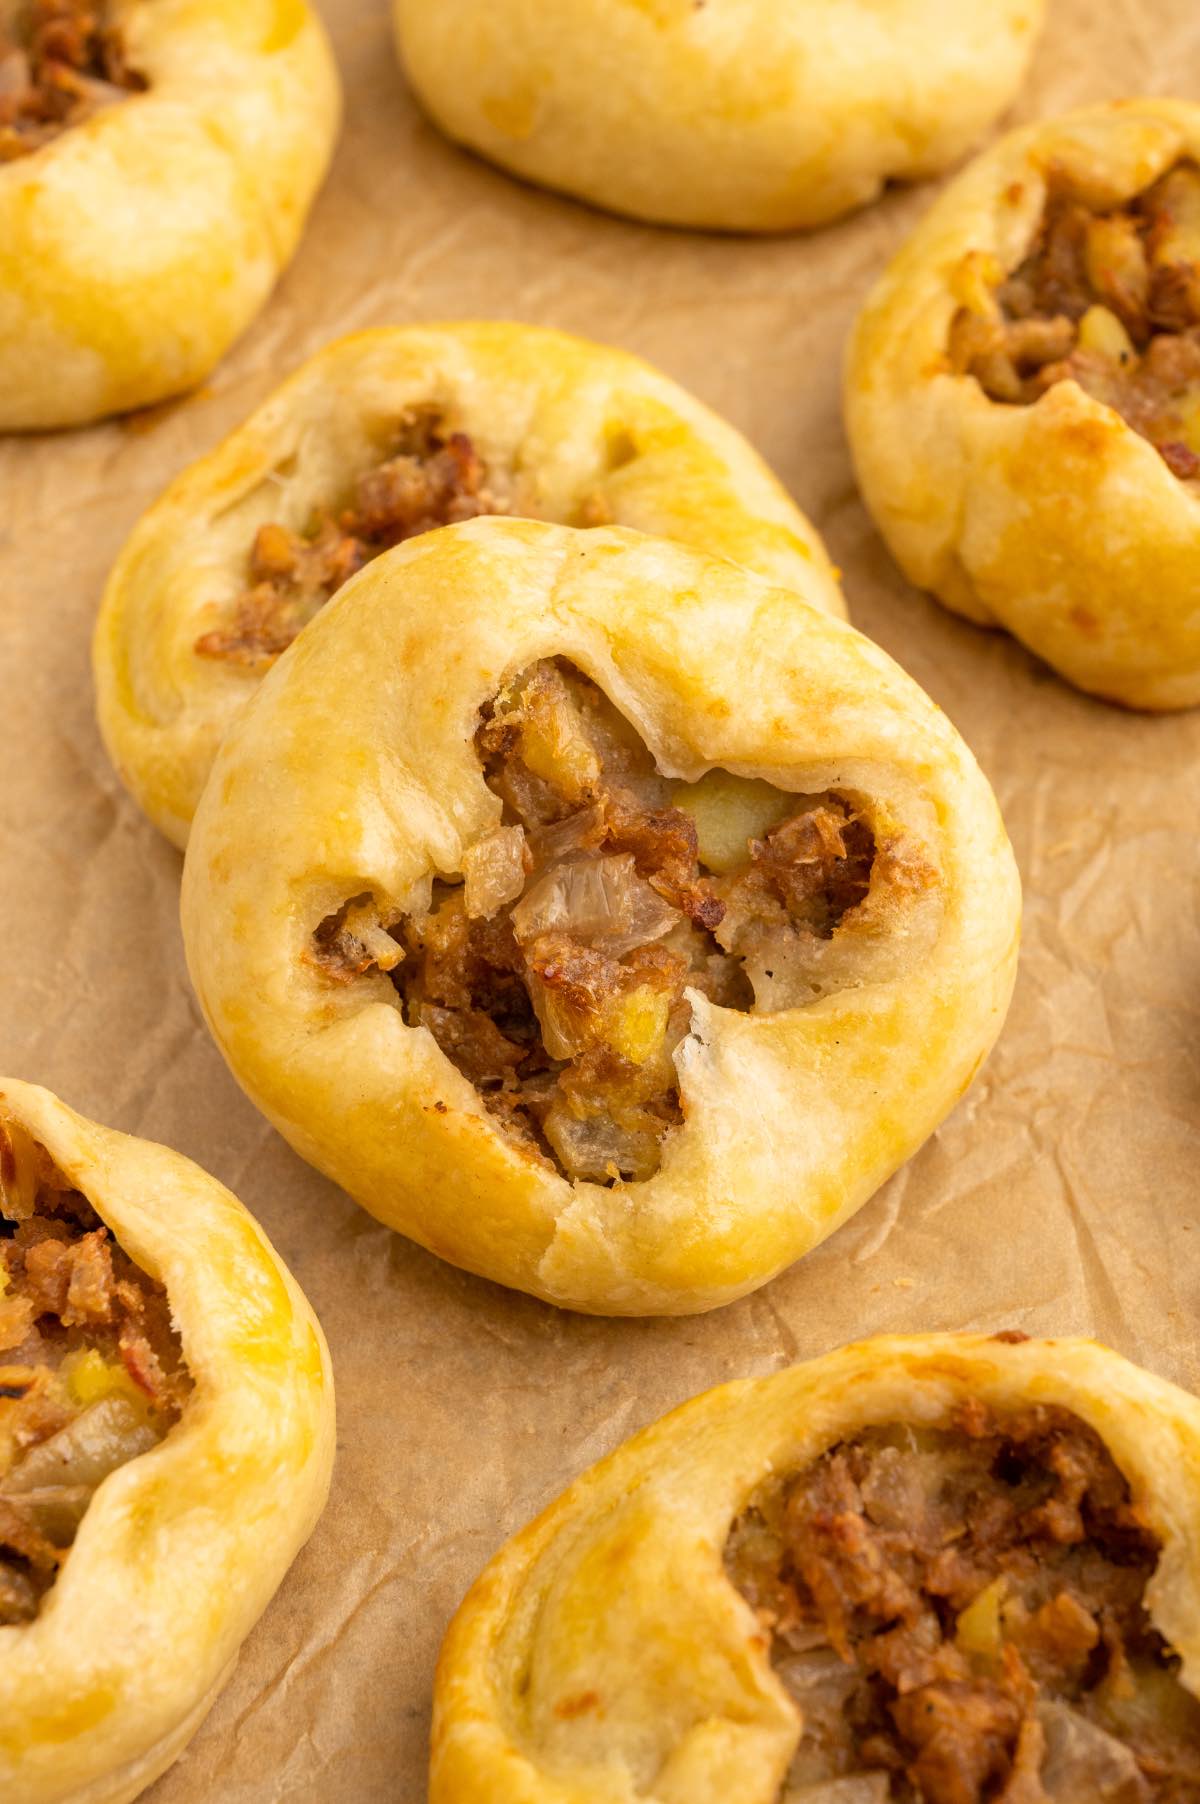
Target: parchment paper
1062 1195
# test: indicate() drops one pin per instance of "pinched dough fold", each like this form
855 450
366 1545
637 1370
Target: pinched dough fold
350 799
1023 398
180 1549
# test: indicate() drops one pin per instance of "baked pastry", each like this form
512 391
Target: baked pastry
941 1569
760 117
1023 398
157 161
603 918
379 437
166 1439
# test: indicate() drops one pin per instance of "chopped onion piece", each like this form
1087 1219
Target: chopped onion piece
361 922
14 74
54 1511
98 92
1084 1764
601 901
597 1148
582 831
493 871
100 1439
20 1170
818 1677
861 1788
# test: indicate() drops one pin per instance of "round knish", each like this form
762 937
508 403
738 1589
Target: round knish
1023 398
605 1654
138 243
180 1550
352 787
510 418
746 115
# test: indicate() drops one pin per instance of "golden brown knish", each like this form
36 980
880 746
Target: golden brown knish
1023 398
379 436
747 115
688 1623
604 918
158 159
166 1440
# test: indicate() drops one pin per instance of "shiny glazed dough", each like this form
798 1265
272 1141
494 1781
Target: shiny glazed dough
353 770
137 245
560 421
604 1657
749 115
1055 520
180 1550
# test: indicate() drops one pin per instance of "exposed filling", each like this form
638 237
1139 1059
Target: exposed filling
1111 300
430 478
960 1616
59 61
91 1370
554 974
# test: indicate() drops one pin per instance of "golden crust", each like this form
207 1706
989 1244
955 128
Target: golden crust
755 115
604 1656
182 1549
1054 520
136 246
566 423
353 770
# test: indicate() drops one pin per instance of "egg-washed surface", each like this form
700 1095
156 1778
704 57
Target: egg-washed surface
59 61
554 975
1110 299
91 1369
960 1616
432 477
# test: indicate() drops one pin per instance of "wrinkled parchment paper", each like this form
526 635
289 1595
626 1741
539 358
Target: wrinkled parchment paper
1062 1196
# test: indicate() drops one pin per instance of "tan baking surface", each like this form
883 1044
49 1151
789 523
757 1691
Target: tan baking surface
1063 1195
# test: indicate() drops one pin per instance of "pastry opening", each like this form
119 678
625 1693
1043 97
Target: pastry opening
60 61
960 1617
555 974
431 476
91 1370
1110 299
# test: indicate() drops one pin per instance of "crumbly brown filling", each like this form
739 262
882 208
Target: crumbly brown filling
61 61
430 478
1110 299
91 1370
960 1616
554 975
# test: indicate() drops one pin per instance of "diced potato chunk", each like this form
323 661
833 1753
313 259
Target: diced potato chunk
89 1378
978 1628
637 1025
728 812
1179 194
1116 263
1101 332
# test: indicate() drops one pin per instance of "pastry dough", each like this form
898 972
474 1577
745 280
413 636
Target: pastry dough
354 779
559 428
1055 517
181 1549
605 1657
750 115
137 244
